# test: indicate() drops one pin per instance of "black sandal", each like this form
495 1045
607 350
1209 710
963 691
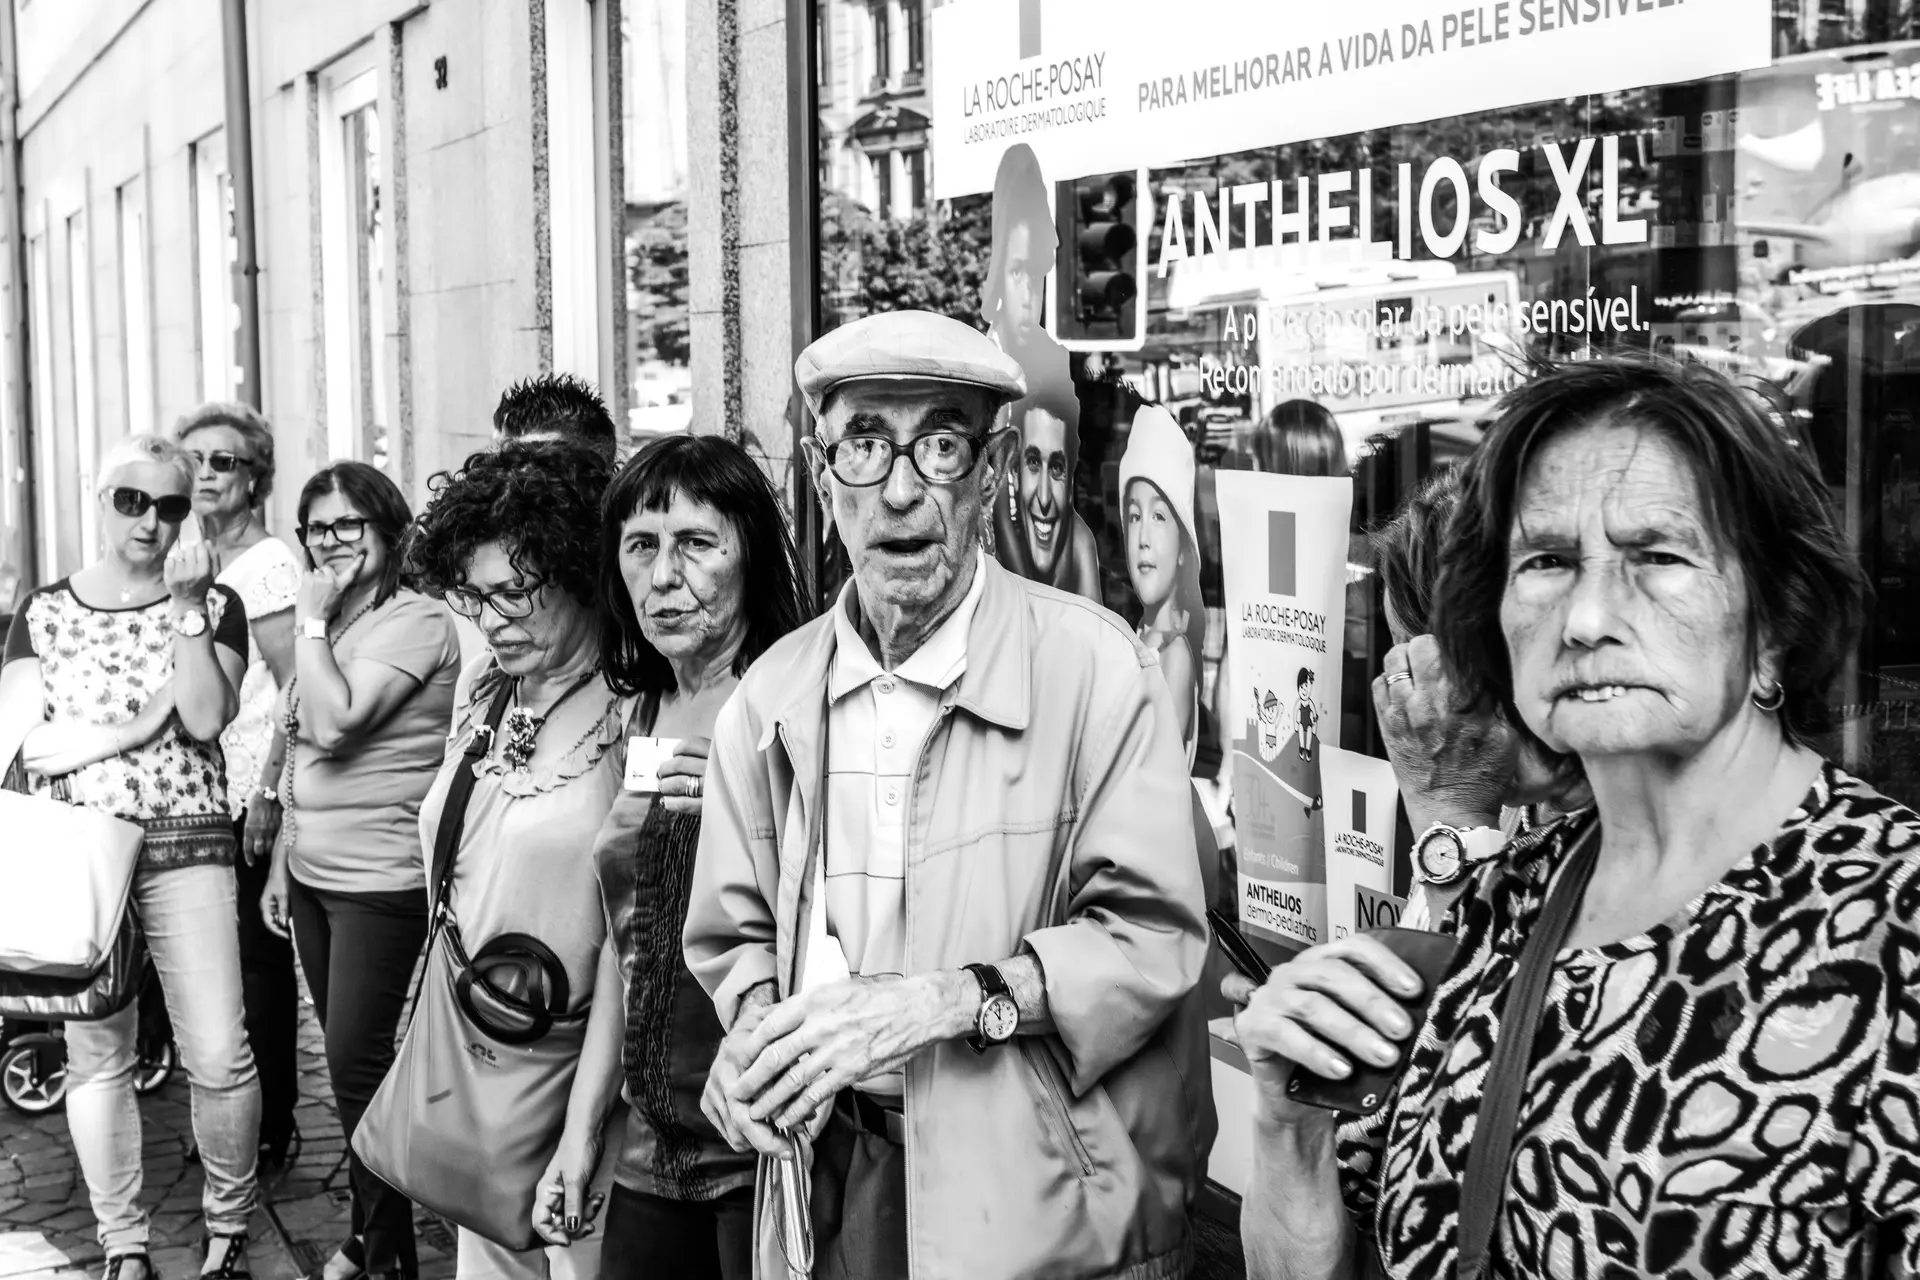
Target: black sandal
233 1265
115 1263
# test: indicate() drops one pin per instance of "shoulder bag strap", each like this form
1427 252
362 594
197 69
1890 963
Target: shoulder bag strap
1489 1158
453 815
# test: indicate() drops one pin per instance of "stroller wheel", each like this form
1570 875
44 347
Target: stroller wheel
33 1074
155 1067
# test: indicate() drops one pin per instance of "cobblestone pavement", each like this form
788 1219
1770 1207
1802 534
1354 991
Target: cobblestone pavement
47 1230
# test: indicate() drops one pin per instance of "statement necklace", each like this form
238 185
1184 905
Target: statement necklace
522 727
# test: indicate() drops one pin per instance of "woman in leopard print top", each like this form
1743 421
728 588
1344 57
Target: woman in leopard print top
1725 1080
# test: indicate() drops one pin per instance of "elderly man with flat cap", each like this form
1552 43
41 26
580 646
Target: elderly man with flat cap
946 898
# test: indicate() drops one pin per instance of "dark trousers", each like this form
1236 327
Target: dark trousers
859 1204
653 1238
270 995
358 950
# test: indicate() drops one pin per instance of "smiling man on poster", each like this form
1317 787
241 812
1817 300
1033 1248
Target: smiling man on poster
946 899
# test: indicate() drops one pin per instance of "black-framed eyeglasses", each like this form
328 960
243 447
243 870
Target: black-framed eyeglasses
941 457
345 529
220 461
508 602
133 503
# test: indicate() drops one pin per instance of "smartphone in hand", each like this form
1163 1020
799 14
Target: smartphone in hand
1239 952
1363 1092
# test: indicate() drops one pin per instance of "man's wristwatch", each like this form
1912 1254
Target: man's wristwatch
1443 854
191 623
313 628
999 1016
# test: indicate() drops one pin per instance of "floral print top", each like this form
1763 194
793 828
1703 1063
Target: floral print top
101 666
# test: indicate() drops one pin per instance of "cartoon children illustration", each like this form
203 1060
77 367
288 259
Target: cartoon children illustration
1307 714
1163 560
1298 770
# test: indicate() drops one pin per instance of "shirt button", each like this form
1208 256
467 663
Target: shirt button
893 797
884 686
886 739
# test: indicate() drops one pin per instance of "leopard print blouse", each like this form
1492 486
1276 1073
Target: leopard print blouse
1733 1094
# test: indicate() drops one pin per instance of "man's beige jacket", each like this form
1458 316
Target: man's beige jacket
1051 815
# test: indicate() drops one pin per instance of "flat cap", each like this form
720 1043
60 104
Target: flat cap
902 345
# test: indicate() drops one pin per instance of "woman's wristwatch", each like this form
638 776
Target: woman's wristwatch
1443 854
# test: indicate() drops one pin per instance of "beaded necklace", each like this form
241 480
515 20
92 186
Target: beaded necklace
291 725
523 728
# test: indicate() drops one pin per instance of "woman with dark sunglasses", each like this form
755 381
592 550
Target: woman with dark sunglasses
117 685
362 727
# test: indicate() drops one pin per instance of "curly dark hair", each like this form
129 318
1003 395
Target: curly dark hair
718 473
541 500
1764 501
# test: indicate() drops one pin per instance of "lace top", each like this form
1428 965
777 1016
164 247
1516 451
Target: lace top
266 577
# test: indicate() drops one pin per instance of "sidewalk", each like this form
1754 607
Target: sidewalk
46 1228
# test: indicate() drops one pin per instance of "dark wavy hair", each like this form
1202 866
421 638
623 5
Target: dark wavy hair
717 473
375 496
1765 505
539 499
1406 549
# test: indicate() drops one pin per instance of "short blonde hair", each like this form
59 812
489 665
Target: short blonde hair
148 448
248 421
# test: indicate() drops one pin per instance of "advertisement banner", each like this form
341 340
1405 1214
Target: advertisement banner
1284 560
1100 85
1361 799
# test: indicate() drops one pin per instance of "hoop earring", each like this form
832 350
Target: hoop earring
1770 702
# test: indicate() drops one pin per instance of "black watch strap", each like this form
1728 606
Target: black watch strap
991 985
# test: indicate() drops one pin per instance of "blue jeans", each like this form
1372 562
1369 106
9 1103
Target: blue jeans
189 918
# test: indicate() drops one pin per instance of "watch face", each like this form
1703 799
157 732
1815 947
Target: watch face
999 1018
190 624
1439 857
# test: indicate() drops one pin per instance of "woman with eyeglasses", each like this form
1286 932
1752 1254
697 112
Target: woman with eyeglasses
118 684
512 541
231 447
362 727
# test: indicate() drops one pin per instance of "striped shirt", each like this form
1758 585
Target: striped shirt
878 724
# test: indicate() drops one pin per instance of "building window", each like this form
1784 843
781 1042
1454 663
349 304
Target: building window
916 162
883 184
882 46
216 252
916 40
136 325
355 282
85 405
654 111
45 430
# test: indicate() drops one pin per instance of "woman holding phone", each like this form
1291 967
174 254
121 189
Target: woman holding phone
362 729
697 577
1645 575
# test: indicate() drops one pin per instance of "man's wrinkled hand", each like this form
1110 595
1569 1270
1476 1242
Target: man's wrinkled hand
813 1045
731 1118
1453 766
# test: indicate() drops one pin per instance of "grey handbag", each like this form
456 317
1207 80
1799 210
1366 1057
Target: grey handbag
472 1109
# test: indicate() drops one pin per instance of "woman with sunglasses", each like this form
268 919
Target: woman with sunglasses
512 541
118 683
232 451
362 727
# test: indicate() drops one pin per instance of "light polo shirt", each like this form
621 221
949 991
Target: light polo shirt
877 722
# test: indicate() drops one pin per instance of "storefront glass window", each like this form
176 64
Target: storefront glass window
1762 223
654 132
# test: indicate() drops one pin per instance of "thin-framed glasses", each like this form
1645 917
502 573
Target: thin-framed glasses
133 503
220 460
941 457
345 529
508 602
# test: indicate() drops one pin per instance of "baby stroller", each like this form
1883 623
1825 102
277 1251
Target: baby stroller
33 1055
